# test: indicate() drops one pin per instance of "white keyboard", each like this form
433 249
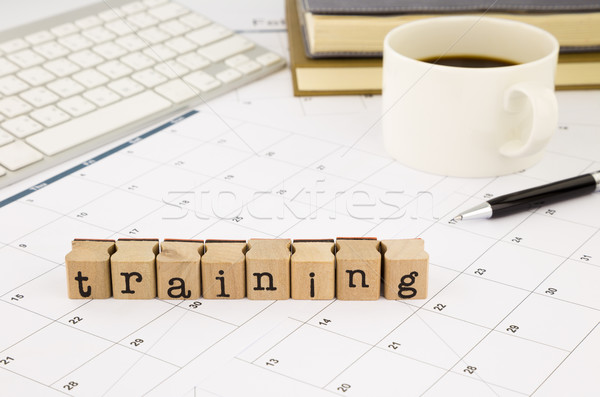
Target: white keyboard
79 80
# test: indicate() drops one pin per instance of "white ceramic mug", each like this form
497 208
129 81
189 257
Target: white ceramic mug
464 121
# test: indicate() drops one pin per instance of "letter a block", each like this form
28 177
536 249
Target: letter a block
178 269
268 269
313 269
133 269
224 269
88 269
358 275
405 269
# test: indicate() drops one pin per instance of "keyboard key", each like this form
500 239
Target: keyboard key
208 34
7 67
51 50
120 28
39 37
13 106
174 27
137 61
90 78
61 67
133 7
154 3
49 116
36 76
65 87
2 171
248 67
88 22
168 11
76 106
268 59
172 69
181 45
39 96
114 69
160 52
75 42
193 61
13 45
176 91
86 58
111 15
17 155
236 60
10 85
131 42
203 81
225 48
98 34
194 20
5 138
109 50
22 126
26 58
64 29
126 87
228 75
149 78
98 122
102 96
153 35
142 20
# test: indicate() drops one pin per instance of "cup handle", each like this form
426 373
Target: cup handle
544 118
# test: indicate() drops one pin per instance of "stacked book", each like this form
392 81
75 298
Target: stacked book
336 45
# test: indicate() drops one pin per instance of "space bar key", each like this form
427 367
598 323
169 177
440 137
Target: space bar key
72 133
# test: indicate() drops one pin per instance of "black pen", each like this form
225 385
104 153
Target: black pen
534 197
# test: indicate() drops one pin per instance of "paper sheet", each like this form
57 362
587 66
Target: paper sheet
513 307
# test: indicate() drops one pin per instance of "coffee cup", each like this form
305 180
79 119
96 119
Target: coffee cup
468 96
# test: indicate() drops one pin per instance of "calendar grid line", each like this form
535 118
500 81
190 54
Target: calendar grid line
35 381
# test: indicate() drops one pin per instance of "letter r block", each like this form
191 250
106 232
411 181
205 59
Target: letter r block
405 269
133 269
88 269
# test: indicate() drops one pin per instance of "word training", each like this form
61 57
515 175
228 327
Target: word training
262 269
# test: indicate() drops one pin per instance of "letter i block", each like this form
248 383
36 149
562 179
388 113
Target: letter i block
268 269
133 269
224 269
178 269
313 269
405 269
88 269
358 275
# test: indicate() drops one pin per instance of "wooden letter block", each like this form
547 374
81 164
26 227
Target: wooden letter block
88 269
178 269
405 269
358 275
133 269
268 269
224 269
313 269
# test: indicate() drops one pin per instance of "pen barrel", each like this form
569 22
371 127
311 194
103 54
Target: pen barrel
543 195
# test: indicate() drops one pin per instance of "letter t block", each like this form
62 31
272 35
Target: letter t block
88 269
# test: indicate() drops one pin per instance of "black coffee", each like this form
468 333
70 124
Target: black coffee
469 61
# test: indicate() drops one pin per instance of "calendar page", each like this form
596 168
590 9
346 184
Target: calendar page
513 305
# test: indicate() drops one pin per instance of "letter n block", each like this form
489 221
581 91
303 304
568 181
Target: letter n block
358 275
268 269
88 269
133 269
224 269
178 269
313 269
405 269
